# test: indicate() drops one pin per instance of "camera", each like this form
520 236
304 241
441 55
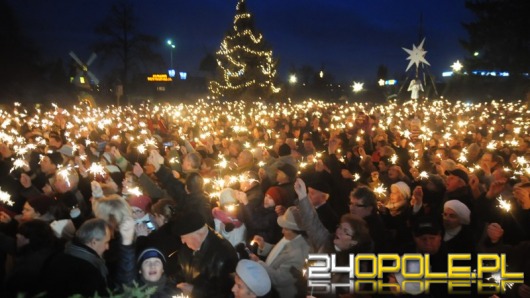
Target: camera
168 144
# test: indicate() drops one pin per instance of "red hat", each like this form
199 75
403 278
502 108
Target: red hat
277 194
142 202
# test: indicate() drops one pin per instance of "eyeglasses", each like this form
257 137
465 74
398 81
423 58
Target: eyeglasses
138 211
345 231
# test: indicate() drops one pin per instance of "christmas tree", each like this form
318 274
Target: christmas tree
245 67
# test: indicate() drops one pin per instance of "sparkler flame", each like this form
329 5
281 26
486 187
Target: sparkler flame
504 204
5 198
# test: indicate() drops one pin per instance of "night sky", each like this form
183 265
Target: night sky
349 38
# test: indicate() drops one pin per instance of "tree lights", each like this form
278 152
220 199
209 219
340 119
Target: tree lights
244 61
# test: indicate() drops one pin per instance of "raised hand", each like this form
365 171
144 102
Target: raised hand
300 188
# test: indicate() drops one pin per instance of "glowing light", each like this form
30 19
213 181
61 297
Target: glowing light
504 204
96 169
457 66
358 87
380 191
135 191
5 198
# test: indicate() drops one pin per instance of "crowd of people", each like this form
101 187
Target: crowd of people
229 199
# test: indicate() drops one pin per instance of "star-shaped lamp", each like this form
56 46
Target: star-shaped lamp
416 55
357 86
457 66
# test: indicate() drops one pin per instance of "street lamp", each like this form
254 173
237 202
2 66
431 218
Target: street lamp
293 79
171 47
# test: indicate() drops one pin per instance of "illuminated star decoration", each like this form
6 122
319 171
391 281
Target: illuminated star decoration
416 55
457 66
357 87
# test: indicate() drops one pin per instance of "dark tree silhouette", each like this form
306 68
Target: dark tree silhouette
500 35
123 47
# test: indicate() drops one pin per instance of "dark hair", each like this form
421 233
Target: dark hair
194 183
361 232
38 232
366 195
165 207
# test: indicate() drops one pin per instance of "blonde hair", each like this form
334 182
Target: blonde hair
113 209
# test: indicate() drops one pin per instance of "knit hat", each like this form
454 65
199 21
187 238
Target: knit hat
150 253
226 197
187 223
41 203
289 170
55 158
277 194
321 186
254 276
284 150
426 225
287 220
142 202
404 189
459 173
461 210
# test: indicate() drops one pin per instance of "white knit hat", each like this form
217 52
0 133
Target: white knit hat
226 197
461 210
254 276
404 189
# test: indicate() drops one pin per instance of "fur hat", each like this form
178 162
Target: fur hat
288 221
254 276
277 194
461 210
404 189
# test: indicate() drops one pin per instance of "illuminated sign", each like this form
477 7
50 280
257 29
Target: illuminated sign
489 268
159 78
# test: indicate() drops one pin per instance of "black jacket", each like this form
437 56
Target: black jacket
208 269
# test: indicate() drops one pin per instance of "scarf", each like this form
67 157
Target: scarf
225 218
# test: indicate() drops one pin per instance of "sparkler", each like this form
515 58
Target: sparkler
18 163
65 173
424 175
496 278
135 191
504 204
141 148
96 169
380 191
5 198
